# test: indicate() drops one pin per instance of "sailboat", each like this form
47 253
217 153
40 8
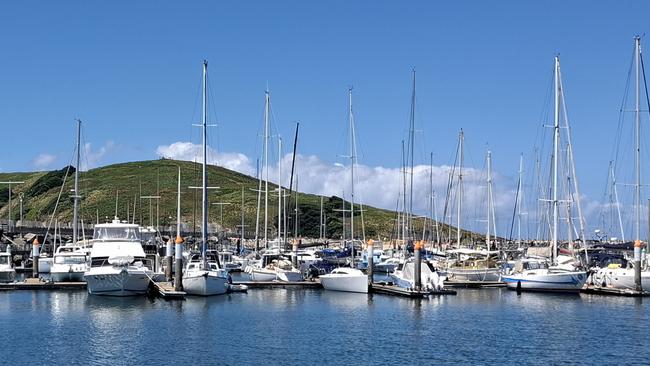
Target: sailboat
69 261
536 274
203 276
271 265
348 279
473 265
637 276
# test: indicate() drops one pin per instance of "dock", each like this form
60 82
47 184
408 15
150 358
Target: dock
598 290
36 284
279 284
166 291
393 290
474 284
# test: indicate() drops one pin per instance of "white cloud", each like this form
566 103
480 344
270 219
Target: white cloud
193 152
43 161
91 158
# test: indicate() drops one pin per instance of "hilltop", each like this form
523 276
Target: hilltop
121 184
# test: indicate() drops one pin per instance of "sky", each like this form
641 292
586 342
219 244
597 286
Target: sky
131 71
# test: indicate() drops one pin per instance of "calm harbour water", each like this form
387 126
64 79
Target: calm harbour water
296 326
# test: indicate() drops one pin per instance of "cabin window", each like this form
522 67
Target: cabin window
4 260
116 233
69 259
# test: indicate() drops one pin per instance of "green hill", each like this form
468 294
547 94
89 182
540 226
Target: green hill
121 184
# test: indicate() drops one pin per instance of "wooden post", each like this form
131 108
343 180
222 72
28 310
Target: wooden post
35 255
178 278
371 262
418 265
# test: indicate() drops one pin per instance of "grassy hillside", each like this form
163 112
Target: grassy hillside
122 184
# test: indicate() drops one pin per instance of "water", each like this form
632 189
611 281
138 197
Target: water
298 327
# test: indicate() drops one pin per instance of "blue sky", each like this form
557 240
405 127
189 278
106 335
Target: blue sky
131 72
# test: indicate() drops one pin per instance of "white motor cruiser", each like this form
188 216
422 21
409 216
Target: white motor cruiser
345 279
69 264
117 261
533 274
7 272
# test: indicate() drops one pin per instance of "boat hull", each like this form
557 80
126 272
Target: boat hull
262 275
205 283
621 278
346 283
546 282
474 275
117 281
7 275
289 276
69 276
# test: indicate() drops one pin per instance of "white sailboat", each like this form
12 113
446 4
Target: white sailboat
203 276
348 279
69 262
616 276
537 274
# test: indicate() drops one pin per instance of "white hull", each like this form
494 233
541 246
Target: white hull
345 282
204 283
117 281
289 276
7 275
620 278
262 275
547 280
44 265
474 275
69 276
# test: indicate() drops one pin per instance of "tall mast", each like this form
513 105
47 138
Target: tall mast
411 158
404 207
519 199
637 156
489 199
204 187
75 218
178 205
351 121
266 166
556 143
460 185
279 190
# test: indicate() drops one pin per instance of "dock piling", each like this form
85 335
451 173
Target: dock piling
178 277
168 259
371 262
35 256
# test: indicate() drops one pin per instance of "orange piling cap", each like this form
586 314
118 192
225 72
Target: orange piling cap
419 245
36 242
637 243
179 240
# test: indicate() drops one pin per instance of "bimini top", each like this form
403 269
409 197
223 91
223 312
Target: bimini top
116 231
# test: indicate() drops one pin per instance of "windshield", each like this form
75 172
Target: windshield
116 233
4 260
76 259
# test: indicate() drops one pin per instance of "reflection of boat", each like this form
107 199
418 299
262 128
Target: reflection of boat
69 264
345 279
117 261
7 272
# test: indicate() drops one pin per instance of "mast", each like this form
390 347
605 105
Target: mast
404 163
637 158
266 167
489 199
178 205
75 217
411 158
556 142
461 138
519 199
279 190
618 206
204 187
351 121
